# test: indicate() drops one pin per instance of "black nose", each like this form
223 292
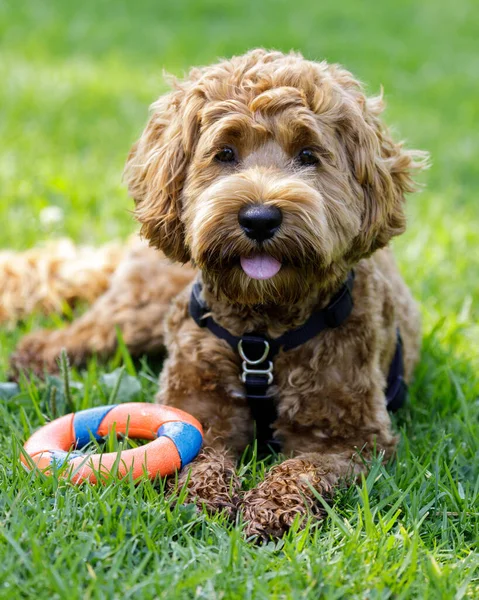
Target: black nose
260 222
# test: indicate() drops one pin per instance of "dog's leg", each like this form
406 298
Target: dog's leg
190 381
287 490
210 481
136 303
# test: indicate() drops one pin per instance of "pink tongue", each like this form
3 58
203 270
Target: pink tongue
260 266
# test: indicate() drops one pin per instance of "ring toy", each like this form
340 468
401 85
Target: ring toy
176 435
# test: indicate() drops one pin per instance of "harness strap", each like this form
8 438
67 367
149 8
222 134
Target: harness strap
333 315
396 388
257 376
258 350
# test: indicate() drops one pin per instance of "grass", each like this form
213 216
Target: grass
76 81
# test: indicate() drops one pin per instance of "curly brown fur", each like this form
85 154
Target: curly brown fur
44 279
286 492
211 481
139 295
337 214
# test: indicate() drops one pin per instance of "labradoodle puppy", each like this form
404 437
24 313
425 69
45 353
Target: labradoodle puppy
274 179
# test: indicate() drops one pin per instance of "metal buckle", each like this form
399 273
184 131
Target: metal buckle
247 362
246 371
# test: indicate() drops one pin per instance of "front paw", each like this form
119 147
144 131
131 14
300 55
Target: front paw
211 483
270 509
35 354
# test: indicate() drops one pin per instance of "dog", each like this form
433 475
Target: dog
275 184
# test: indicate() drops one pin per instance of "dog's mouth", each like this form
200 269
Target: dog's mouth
260 266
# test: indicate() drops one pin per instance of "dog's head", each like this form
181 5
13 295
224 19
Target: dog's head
271 173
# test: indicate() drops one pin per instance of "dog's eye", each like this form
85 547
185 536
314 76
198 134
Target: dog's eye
307 158
226 155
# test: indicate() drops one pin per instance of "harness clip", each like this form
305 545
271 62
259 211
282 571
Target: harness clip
268 372
248 362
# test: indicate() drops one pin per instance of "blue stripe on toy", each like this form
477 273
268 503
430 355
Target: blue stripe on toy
186 438
87 421
59 457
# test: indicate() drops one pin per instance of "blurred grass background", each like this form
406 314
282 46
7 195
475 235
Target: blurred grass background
76 81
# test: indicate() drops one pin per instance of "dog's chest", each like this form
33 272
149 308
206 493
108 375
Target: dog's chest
309 377
305 380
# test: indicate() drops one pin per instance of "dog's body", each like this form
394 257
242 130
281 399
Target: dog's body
275 177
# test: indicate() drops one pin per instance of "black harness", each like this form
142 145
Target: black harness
257 352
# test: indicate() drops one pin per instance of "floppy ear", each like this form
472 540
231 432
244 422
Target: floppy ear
381 171
156 170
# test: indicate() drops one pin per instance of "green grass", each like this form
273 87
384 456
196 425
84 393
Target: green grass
76 82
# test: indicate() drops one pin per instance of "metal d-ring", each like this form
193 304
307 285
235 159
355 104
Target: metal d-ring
248 360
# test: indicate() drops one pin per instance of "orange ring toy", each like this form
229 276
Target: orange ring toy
176 435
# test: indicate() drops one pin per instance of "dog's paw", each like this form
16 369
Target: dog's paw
270 509
211 483
35 354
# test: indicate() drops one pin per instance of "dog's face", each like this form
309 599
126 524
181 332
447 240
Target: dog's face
271 173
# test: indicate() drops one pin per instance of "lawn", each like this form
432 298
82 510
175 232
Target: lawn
77 79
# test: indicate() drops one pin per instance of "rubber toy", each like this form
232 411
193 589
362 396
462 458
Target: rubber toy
176 440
